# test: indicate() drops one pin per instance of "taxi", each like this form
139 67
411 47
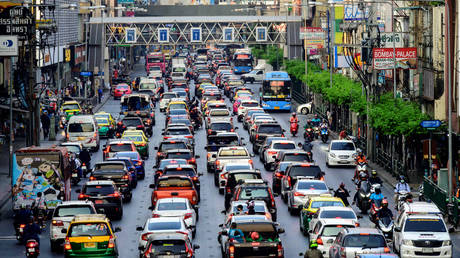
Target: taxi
242 94
211 102
90 236
140 141
177 104
201 88
71 108
105 124
312 206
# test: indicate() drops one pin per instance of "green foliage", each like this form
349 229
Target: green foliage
273 54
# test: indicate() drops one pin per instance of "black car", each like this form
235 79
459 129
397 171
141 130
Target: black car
117 172
174 144
134 121
236 177
182 154
105 196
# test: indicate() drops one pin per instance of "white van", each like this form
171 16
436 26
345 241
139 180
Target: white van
83 129
420 231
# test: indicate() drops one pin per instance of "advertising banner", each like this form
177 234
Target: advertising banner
314 37
406 58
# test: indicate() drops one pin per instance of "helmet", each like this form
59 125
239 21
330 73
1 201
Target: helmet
342 184
402 180
374 173
254 236
294 114
362 175
359 151
313 244
384 203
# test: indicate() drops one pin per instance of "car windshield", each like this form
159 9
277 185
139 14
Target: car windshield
176 206
232 167
174 182
180 121
177 112
270 128
81 128
164 225
134 138
308 185
284 146
283 166
177 106
310 171
167 247
169 95
132 122
424 225
178 131
364 241
102 190
89 229
221 126
72 210
333 230
165 163
70 107
233 152
345 146
243 176
258 207
109 166
179 155
132 155
101 120
122 87
254 193
173 146
180 172
318 204
120 147
337 215
299 157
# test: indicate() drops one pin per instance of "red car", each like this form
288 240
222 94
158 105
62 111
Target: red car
120 90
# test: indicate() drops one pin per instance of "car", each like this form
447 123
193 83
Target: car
341 153
133 123
165 162
171 244
218 115
177 104
174 186
178 131
278 175
136 159
184 170
293 156
177 207
302 190
170 144
299 170
115 146
140 141
266 144
324 208
72 147
105 196
130 166
186 154
220 179
119 173
106 125
265 130
166 98
70 108
273 149
215 142
326 230
351 241
63 214
248 113
120 90
91 236
304 109
219 126
260 208
160 225
244 105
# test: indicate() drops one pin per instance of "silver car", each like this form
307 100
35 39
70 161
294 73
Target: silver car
353 241
177 207
302 190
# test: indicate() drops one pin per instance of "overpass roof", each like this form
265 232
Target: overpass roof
194 19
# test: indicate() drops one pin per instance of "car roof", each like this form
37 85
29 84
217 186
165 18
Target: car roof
167 236
99 182
178 150
331 208
75 202
341 141
120 141
90 217
347 222
363 230
110 162
310 180
421 208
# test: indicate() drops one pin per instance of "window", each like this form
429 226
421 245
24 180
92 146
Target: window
120 147
254 193
132 122
318 204
89 229
312 171
81 128
72 210
306 185
109 166
221 126
171 146
94 190
272 129
166 206
424 225
178 131
364 240
179 155
174 182
167 247
333 230
346 146
167 225
70 107
338 214
236 152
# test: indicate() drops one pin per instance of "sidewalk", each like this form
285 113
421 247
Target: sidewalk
5 180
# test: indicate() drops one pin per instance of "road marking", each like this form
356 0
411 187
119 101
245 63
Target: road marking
7 237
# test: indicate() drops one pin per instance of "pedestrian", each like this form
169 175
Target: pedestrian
99 94
343 194
45 119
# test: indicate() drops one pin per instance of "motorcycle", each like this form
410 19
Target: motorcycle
316 132
364 193
20 232
120 129
308 134
41 216
386 226
62 121
294 128
324 134
402 198
75 179
375 208
361 167
32 248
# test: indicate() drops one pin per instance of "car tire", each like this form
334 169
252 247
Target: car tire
255 149
304 111
193 233
284 197
119 216
216 179
252 80
267 166
221 191
55 247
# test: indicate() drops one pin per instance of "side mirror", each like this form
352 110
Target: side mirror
78 191
117 229
152 186
281 230
197 156
64 231
200 174
195 246
139 228
359 216
205 147
214 155
236 127
252 155
310 231
221 225
397 229
155 148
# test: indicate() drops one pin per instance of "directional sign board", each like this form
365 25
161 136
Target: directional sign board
261 33
430 124
163 35
228 34
86 74
130 35
195 34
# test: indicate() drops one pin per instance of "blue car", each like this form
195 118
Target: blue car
138 162
132 169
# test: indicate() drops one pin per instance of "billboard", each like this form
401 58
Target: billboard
314 37
383 58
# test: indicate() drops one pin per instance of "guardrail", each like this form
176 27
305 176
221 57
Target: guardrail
440 197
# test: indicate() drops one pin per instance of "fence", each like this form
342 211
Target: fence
440 197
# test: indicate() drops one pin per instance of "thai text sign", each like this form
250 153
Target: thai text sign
405 58
314 37
386 39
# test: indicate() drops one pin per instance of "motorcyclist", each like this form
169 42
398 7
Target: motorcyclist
401 186
342 135
360 157
362 177
316 121
324 124
313 251
376 196
294 118
75 164
374 179
308 125
85 158
385 212
343 194
22 216
32 230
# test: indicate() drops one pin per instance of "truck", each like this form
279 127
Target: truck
174 186
231 154
41 169
257 74
155 59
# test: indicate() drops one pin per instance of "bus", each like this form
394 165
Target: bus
275 93
155 59
242 61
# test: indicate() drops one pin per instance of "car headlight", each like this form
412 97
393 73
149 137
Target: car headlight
407 242
446 243
332 155
354 155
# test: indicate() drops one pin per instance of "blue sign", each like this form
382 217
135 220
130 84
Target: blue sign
430 124
86 74
126 1
163 35
228 34
196 34
131 35
261 34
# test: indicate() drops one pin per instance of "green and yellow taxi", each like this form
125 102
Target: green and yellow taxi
311 208
71 108
90 236
139 140
106 124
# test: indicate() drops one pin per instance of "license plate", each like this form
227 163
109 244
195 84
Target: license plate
83 167
90 245
99 201
277 107
427 250
343 162
74 175
31 250
81 138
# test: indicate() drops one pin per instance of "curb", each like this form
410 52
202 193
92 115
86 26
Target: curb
100 105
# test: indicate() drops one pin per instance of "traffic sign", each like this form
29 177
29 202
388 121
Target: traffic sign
196 35
430 124
130 35
86 74
163 35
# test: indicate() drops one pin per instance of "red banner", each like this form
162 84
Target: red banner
388 58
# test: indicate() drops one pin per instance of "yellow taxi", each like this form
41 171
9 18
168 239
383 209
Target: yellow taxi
313 204
203 85
71 108
139 140
177 104
106 124
211 102
242 94
91 236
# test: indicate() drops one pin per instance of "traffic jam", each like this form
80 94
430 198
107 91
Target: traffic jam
212 91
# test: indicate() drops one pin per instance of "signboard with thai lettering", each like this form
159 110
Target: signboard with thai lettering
386 39
314 37
16 20
383 58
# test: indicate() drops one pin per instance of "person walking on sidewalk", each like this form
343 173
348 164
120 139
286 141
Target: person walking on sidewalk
99 94
45 119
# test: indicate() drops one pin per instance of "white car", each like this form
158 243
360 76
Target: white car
304 109
177 207
245 104
161 225
273 149
222 176
341 153
260 207
63 214
327 230
302 190
166 98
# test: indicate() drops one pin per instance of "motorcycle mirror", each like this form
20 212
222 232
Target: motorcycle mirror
359 216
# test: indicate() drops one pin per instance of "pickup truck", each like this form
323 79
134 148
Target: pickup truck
215 142
231 154
267 245
174 186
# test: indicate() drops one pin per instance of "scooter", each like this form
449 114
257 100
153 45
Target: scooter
32 248
20 232
294 128
316 132
361 167
402 196
75 179
386 226
364 193
324 134
375 208
308 134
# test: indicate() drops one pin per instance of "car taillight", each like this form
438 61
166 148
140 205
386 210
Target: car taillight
67 245
280 251
319 241
139 163
145 236
250 161
140 126
289 181
92 178
188 215
159 154
224 175
189 136
142 144
166 137
58 223
257 136
231 250
115 194
298 194
271 153
111 243
217 162
232 130
271 197
278 174
386 250
82 196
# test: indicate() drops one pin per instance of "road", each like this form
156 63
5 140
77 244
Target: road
136 212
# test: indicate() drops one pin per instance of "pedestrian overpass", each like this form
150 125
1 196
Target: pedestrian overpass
194 30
